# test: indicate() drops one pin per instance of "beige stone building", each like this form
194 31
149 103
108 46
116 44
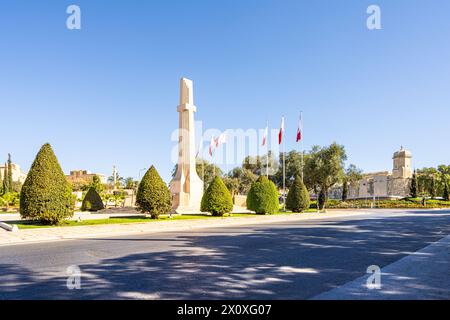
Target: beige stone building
84 176
18 175
383 185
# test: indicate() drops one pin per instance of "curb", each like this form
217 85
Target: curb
8 227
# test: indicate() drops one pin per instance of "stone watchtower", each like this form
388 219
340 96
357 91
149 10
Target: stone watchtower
402 164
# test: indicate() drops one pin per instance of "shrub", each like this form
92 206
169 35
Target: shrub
263 197
153 195
46 195
11 199
92 201
298 196
407 203
217 198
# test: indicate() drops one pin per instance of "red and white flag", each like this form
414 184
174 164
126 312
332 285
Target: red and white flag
212 144
280 135
222 138
299 130
264 139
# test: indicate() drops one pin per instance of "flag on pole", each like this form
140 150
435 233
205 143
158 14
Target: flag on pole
212 145
280 135
264 140
222 138
299 130
200 147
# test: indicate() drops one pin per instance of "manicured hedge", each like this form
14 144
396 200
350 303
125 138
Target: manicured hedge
263 197
407 203
153 195
92 201
217 198
298 196
46 195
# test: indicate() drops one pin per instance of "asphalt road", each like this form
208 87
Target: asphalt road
279 261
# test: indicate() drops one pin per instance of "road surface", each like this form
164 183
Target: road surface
296 260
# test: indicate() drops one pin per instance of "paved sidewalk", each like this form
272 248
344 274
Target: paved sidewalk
423 275
80 232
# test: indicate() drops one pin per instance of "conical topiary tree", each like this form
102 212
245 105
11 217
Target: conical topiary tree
46 195
298 196
153 195
263 197
92 201
217 198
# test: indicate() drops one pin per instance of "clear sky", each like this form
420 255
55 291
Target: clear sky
107 94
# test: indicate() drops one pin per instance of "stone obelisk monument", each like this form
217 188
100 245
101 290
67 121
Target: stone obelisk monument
186 187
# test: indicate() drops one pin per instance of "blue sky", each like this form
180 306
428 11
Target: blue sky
107 94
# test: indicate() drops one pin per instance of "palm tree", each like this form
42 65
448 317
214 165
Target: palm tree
119 180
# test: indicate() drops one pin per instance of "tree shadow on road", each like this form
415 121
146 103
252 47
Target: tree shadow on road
296 261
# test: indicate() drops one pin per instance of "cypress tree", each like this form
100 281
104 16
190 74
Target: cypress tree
92 201
446 192
263 197
46 195
322 200
10 178
433 188
345 191
153 195
217 198
298 196
414 186
5 180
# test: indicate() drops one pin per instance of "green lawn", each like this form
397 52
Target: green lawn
125 220
8 212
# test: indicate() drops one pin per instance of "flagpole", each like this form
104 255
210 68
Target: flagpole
284 166
267 147
212 157
226 162
200 153
301 143
214 164
203 170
